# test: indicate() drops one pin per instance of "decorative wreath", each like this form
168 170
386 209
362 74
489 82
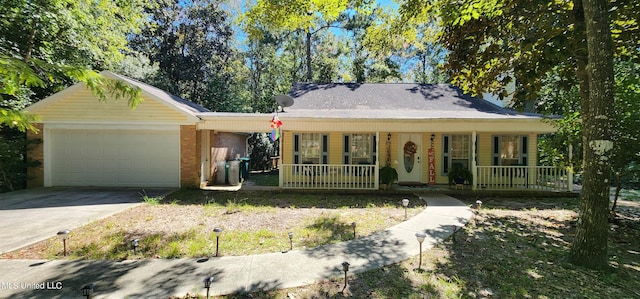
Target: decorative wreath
410 148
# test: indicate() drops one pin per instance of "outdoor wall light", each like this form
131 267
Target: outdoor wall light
218 232
405 204
353 225
290 240
420 236
389 137
345 268
87 290
135 243
207 284
433 137
64 235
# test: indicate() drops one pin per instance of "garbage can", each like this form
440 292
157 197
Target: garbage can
234 173
221 172
244 168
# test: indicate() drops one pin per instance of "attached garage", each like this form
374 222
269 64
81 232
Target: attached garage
89 142
123 158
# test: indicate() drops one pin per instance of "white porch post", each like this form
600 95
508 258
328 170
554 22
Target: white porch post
376 172
570 170
474 169
280 161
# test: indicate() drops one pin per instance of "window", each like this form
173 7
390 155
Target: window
359 149
509 150
310 148
456 149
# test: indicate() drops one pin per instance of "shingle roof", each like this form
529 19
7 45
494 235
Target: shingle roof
161 94
385 100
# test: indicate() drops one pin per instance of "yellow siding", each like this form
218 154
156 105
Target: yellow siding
84 106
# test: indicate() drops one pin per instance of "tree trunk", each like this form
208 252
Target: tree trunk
309 72
589 246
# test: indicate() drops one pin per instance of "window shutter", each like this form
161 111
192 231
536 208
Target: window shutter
345 150
374 147
296 148
496 150
445 154
325 149
525 149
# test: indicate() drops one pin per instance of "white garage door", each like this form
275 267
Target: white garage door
128 158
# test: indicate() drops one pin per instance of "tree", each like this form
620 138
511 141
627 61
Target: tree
589 247
45 46
190 42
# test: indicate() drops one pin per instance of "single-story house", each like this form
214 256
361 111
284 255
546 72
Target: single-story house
333 136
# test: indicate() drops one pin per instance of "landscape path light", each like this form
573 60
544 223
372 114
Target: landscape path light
405 204
64 235
353 225
207 284
87 290
420 236
218 232
478 204
290 240
345 268
135 243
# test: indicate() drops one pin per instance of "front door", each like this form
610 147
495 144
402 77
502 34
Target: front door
409 160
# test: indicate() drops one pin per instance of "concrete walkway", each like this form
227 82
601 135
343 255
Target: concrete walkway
160 278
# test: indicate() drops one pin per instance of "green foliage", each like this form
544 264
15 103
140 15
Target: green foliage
261 149
388 175
13 162
191 46
46 46
458 173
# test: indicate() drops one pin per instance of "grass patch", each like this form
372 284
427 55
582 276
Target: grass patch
264 179
514 248
181 224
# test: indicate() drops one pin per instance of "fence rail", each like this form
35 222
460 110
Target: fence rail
328 176
548 178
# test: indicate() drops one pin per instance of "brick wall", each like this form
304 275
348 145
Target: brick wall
35 175
189 153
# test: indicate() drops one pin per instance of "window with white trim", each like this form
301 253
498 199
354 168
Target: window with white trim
310 148
509 150
359 149
456 149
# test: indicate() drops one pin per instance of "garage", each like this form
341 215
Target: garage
119 157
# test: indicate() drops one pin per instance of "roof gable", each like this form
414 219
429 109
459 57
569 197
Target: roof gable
77 102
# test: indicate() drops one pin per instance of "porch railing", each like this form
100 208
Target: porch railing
328 176
548 178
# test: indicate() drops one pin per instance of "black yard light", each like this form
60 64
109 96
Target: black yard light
405 204
218 232
207 284
134 244
345 268
290 240
420 236
353 225
87 290
64 235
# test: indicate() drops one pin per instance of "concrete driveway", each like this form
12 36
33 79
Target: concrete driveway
33 215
